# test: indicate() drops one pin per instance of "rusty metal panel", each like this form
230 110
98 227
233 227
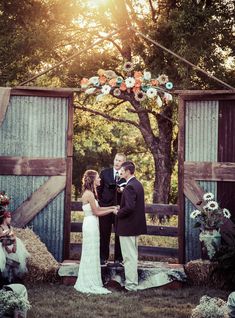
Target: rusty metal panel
201 143
36 127
226 152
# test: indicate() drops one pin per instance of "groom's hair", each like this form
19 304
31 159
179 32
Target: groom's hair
128 165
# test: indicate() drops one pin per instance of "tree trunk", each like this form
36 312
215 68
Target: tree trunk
160 147
162 158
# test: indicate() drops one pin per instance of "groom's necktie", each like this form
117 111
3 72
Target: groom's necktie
116 176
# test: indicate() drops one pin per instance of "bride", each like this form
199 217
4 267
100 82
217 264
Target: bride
89 274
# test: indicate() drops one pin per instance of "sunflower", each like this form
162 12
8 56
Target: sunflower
212 205
140 96
128 67
226 213
208 196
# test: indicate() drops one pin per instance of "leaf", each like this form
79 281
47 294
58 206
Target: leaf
197 224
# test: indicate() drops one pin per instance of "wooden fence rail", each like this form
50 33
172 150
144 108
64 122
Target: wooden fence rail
158 209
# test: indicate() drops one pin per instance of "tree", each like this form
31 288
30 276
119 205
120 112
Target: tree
199 31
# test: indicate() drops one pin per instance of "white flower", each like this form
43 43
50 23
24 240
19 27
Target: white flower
159 101
116 92
140 96
212 205
90 91
130 82
106 89
208 196
99 97
151 92
211 308
195 213
147 76
94 80
162 79
226 213
110 74
168 97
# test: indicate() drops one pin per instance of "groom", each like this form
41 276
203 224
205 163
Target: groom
131 222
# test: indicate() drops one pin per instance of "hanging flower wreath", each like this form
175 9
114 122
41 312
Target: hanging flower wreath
140 84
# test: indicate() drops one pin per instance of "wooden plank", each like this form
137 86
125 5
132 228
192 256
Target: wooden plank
76 249
151 229
206 95
164 209
67 208
69 171
158 251
38 200
41 91
181 156
70 128
211 171
193 192
25 166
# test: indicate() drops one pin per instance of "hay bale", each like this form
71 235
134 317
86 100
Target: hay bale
201 272
41 265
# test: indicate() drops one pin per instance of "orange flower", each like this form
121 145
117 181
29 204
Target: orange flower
84 82
154 82
102 79
137 83
123 86
138 75
136 89
112 82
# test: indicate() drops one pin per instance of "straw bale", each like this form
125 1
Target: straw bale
202 273
41 265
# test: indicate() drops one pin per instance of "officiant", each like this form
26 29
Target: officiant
109 193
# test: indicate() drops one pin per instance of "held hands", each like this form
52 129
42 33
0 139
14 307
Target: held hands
116 208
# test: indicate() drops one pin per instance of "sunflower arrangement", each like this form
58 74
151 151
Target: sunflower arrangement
211 217
140 85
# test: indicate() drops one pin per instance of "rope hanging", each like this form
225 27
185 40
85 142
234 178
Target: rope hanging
72 56
143 36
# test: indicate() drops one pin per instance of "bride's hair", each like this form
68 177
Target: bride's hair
88 181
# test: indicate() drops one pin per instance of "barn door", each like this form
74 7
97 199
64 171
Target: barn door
36 163
206 158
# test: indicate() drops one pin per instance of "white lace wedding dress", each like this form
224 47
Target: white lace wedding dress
89 274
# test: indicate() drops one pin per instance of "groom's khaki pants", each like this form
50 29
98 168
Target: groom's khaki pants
129 247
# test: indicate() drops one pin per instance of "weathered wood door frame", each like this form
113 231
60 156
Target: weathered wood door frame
59 170
190 172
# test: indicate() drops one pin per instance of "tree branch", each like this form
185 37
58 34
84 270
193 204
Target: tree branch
150 112
153 11
111 118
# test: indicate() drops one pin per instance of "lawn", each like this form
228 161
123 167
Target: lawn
56 300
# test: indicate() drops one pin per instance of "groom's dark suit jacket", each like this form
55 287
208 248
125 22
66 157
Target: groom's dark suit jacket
131 219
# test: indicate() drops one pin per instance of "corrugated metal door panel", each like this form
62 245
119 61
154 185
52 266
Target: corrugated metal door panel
226 152
201 142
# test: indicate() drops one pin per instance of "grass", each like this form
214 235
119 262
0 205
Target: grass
55 300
